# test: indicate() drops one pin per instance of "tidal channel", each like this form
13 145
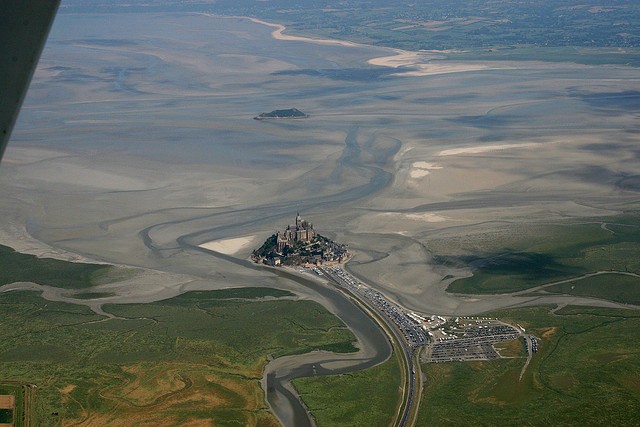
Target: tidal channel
373 344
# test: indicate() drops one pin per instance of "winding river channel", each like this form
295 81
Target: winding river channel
373 344
374 349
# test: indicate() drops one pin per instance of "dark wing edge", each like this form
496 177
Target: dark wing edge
24 26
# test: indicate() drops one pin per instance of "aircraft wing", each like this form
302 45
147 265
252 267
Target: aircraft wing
24 26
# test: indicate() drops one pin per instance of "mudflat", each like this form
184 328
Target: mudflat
129 146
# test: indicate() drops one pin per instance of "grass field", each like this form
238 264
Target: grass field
586 372
517 259
614 287
512 348
185 360
366 398
17 267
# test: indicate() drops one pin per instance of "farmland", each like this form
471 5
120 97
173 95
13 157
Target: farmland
195 357
588 358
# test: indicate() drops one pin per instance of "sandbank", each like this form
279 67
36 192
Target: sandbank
229 246
401 58
484 148
279 29
433 69
417 64
422 169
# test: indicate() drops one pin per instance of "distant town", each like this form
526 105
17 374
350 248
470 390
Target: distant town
300 244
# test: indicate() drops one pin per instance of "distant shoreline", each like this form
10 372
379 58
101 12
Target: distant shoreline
414 63
279 29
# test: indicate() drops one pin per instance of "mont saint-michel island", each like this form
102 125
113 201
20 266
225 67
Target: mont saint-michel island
300 244
290 113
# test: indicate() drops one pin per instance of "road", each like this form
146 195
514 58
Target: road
411 390
531 348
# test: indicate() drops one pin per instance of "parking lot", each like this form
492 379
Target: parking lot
445 339
469 339
410 325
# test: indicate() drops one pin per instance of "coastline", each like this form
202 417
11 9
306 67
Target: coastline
412 63
278 34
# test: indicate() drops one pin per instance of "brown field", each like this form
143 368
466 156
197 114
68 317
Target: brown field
548 332
164 394
7 401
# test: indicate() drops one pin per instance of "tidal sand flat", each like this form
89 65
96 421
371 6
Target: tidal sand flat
230 246
126 146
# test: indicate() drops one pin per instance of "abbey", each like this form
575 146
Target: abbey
300 244
300 232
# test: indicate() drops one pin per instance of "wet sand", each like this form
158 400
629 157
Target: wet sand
383 164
